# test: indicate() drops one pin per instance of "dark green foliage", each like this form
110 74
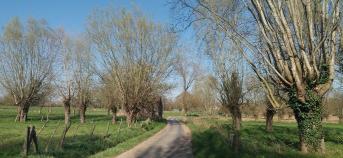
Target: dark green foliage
308 116
324 74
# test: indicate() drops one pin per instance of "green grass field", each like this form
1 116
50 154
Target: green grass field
79 143
210 139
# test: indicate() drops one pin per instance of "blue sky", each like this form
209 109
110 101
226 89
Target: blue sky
72 14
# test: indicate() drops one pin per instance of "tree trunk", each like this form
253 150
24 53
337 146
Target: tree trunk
130 118
66 111
184 104
82 113
237 123
236 118
236 143
309 119
322 146
160 109
23 112
340 120
303 145
18 113
269 119
114 114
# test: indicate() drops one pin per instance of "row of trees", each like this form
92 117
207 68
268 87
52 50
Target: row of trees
291 46
123 60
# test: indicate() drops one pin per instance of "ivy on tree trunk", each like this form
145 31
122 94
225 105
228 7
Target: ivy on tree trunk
308 116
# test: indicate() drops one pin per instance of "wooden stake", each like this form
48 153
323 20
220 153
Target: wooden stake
26 145
33 137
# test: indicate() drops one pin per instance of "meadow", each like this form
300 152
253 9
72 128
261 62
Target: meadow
81 141
211 139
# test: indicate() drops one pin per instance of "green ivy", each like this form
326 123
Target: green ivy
324 74
308 116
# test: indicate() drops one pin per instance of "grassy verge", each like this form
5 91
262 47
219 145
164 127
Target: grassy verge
211 139
79 141
122 147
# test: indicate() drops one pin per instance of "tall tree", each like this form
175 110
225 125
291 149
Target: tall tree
188 72
27 57
65 81
205 93
83 75
136 53
300 40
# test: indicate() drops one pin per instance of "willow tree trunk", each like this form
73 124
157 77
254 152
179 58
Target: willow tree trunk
236 116
309 120
129 119
160 109
269 119
114 114
23 111
184 103
82 113
66 104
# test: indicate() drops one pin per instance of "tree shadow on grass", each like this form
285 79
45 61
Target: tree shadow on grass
75 146
255 142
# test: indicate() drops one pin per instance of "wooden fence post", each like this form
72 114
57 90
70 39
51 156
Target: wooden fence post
33 137
29 137
26 145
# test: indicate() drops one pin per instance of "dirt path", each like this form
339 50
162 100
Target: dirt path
174 141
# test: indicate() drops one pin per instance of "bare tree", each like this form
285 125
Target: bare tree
83 75
65 82
111 96
27 56
136 53
205 94
300 45
188 72
229 71
339 63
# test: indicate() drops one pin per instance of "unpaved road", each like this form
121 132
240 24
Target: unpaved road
174 141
